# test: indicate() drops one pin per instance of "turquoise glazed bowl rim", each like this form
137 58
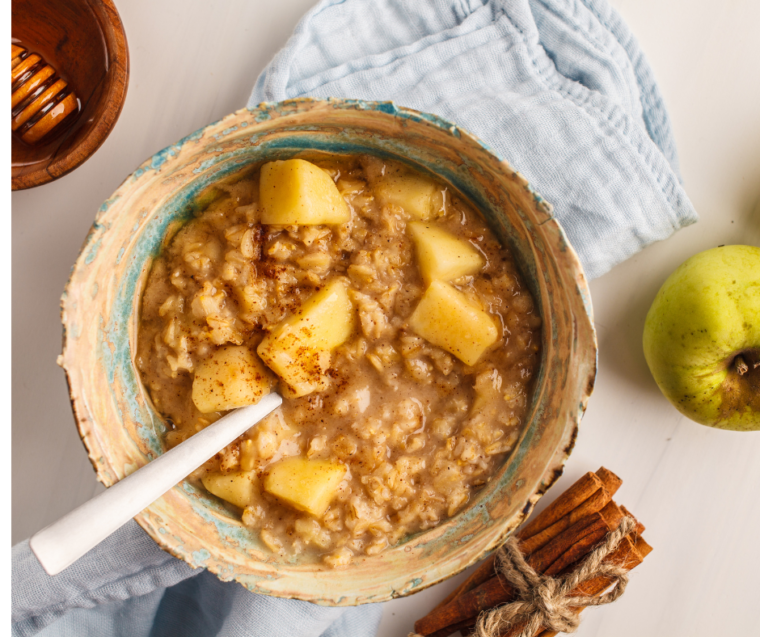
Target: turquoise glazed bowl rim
122 431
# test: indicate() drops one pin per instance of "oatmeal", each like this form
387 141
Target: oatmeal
382 308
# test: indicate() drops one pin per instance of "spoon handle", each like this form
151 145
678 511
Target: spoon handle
65 541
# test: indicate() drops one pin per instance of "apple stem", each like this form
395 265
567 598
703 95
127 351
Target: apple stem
741 365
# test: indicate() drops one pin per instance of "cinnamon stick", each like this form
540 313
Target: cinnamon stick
483 573
614 513
464 627
610 480
642 547
594 504
640 528
629 558
626 555
561 535
568 547
462 610
579 492
578 501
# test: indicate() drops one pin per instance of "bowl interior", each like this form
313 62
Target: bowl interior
122 430
84 41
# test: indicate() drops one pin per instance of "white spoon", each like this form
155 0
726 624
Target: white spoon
65 541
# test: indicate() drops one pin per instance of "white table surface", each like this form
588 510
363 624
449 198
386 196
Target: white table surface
695 488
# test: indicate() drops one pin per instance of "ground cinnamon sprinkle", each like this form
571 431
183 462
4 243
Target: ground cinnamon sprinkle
417 429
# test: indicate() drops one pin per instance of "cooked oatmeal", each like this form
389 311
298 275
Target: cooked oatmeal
386 313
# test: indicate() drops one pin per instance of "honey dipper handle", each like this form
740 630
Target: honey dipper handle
65 541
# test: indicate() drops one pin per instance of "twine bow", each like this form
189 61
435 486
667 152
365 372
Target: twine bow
547 602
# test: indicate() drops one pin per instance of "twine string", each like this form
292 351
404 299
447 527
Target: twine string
547 602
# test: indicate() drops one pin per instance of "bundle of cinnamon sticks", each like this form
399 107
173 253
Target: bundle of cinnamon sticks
553 543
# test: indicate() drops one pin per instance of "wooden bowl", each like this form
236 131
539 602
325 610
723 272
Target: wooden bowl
122 430
84 41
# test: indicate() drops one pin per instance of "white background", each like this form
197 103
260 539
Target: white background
695 488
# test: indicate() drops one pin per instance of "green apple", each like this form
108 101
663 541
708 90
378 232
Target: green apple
702 338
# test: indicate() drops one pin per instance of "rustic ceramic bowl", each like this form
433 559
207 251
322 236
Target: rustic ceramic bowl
84 41
122 431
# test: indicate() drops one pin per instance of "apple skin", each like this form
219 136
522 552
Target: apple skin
706 314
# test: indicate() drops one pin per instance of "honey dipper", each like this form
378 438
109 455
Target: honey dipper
40 99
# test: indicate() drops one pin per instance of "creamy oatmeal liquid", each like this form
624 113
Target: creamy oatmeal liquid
416 429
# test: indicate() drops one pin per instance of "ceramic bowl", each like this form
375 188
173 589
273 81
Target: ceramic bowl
122 431
85 43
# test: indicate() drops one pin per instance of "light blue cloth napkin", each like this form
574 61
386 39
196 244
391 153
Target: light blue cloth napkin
128 587
557 87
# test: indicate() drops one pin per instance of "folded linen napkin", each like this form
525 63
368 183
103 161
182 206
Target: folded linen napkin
128 587
557 87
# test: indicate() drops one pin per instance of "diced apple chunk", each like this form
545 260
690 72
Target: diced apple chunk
416 194
448 319
231 377
441 256
296 192
236 488
299 348
306 485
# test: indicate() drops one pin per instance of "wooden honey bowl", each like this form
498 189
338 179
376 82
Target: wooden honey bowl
69 75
